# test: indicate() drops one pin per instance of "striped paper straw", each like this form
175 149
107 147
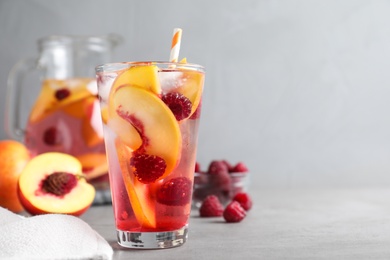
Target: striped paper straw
175 48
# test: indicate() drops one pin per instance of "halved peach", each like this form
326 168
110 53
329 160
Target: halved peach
154 122
93 165
52 183
141 202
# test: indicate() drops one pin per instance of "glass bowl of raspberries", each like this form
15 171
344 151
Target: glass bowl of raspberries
221 179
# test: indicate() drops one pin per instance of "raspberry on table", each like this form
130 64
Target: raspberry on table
148 168
179 104
175 192
211 207
244 199
234 212
220 179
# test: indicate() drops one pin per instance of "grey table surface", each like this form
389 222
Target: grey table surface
283 224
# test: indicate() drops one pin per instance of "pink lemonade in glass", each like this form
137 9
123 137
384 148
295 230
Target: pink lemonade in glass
66 118
150 112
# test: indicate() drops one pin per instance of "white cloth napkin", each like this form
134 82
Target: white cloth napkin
51 236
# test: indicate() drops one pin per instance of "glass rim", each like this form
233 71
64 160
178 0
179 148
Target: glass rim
116 66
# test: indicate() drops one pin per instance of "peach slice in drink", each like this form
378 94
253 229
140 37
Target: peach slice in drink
191 87
154 122
141 202
104 114
126 131
145 76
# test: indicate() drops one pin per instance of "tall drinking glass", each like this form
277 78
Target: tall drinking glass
150 113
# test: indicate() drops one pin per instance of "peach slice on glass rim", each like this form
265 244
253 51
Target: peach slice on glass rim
51 183
141 202
143 75
154 123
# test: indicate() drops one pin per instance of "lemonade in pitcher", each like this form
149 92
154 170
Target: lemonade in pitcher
65 115
66 118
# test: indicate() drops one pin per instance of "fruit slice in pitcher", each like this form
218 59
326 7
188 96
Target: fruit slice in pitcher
93 165
141 201
155 124
80 108
92 127
56 94
88 110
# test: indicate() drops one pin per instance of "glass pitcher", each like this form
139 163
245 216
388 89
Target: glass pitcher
65 114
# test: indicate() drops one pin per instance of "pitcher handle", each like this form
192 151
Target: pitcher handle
13 97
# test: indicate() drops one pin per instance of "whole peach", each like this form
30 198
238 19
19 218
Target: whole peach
13 157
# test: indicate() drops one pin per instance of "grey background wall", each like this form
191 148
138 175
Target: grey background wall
299 90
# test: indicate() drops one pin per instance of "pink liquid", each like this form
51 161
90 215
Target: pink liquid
167 217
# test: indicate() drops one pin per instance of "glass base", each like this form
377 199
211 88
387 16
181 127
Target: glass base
153 240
